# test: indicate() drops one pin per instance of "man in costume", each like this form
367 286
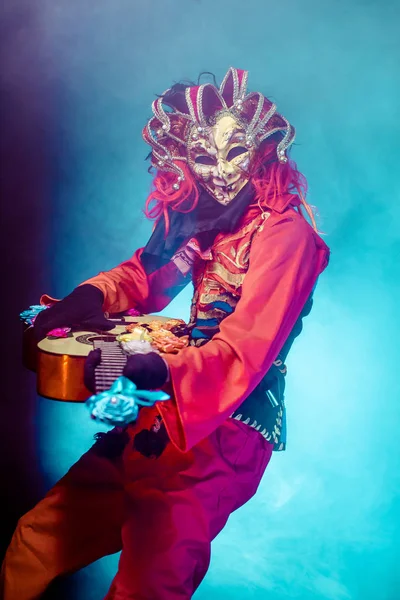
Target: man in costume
229 208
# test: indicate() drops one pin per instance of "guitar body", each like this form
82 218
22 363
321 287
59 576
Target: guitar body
59 363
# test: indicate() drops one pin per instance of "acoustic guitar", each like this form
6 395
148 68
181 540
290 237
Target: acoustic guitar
59 362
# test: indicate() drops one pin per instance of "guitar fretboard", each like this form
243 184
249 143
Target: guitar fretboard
112 364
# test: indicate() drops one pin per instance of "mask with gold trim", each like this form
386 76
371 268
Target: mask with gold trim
220 159
216 132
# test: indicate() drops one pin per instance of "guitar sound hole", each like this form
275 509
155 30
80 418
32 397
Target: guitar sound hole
89 338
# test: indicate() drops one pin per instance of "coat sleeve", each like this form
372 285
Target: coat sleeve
210 382
129 286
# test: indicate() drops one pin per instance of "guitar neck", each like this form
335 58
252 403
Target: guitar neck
112 364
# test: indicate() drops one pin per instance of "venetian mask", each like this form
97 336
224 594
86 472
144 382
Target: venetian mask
219 158
217 131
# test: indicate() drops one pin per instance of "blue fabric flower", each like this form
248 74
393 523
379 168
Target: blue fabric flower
28 316
120 404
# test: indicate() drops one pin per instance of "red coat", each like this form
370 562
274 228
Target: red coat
285 256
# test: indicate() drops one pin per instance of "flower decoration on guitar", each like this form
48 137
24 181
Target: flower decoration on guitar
28 316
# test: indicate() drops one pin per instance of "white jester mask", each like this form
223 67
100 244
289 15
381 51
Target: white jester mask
216 131
220 159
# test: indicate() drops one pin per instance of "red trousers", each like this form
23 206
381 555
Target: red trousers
163 513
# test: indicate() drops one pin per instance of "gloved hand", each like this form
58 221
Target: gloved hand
152 442
83 307
147 371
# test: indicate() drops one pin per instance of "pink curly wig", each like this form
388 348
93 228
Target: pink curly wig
271 175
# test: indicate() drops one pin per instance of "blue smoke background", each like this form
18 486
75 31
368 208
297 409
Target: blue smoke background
82 76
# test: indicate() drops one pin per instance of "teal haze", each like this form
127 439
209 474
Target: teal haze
325 522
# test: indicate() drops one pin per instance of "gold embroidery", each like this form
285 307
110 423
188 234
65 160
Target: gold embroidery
238 235
234 279
212 298
264 217
198 342
214 313
210 284
214 280
240 252
238 262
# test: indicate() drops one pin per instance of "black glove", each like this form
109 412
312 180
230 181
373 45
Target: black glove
83 307
111 444
152 442
147 371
